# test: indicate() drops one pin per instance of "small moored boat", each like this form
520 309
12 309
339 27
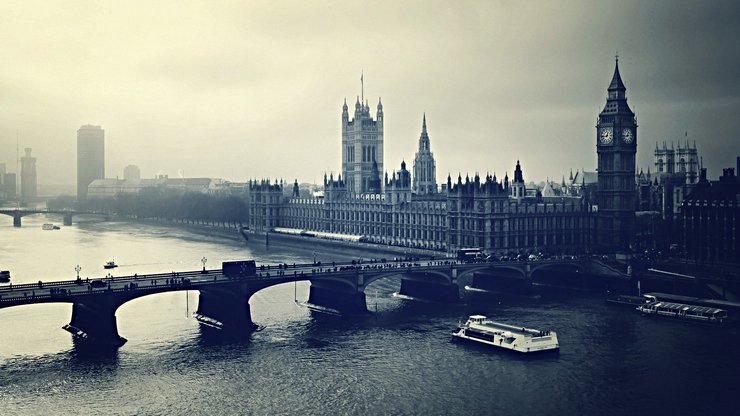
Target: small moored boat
49 227
110 265
506 336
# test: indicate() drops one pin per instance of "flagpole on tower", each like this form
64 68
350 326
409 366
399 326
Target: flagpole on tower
362 83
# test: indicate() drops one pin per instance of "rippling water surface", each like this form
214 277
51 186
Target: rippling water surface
399 360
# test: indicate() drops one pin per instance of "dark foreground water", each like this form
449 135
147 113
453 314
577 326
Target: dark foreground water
400 360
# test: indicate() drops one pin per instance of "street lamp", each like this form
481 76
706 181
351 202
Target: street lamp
204 260
77 269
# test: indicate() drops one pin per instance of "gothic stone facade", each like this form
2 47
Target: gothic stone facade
470 214
497 216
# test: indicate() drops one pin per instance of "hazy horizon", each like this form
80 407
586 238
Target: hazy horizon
255 90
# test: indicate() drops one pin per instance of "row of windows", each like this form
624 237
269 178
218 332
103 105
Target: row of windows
516 242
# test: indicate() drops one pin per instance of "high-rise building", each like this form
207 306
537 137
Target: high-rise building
9 185
28 176
90 157
131 172
362 147
616 147
425 170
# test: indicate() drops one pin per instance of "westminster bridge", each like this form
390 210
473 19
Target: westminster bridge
67 215
224 298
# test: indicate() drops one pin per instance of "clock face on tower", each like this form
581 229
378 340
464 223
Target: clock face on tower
627 136
606 135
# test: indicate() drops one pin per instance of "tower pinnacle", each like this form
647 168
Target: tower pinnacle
617 84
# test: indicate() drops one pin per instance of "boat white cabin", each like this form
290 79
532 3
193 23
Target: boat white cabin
506 336
49 227
110 264
683 311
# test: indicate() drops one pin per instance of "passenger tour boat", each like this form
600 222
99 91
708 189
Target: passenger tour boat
506 336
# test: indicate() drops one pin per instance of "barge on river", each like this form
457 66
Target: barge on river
685 312
506 336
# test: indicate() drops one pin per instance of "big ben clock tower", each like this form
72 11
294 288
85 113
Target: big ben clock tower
616 147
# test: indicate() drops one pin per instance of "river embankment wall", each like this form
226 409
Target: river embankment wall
262 239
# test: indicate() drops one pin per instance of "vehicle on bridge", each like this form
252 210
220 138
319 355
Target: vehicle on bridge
97 283
4 276
242 268
471 254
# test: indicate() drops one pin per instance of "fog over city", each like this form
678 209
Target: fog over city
255 89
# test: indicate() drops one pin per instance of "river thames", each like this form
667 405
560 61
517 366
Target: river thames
398 360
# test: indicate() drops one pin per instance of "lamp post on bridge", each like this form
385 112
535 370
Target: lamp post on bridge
204 260
77 269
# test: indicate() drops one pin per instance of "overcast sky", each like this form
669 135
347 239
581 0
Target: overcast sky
253 89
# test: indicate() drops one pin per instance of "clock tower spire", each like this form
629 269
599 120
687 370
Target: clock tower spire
616 148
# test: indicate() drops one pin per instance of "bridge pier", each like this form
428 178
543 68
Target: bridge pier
226 307
430 291
16 220
337 296
95 323
420 286
67 219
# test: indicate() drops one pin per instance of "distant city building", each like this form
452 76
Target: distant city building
10 189
109 188
711 218
616 147
29 186
362 148
131 172
3 192
90 157
425 170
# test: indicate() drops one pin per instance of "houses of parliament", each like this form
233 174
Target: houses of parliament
589 213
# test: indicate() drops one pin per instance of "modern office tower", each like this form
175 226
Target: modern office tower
131 172
28 176
90 157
